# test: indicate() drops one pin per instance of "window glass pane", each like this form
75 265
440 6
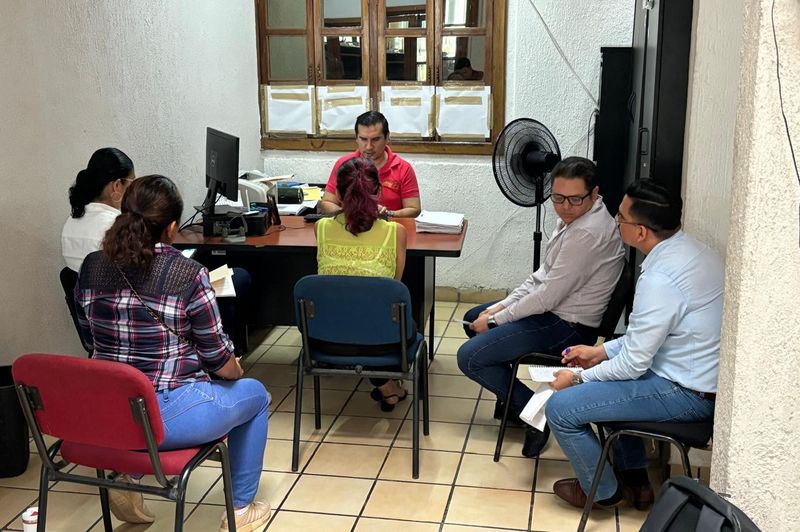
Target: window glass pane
341 13
286 14
342 57
463 13
287 58
463 58
406 59
405 13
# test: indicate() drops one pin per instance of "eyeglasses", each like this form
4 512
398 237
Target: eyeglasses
573 200
619 222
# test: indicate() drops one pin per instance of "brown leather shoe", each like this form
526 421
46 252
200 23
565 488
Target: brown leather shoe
569 489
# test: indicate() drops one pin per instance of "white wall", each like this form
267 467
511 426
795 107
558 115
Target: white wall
145 76
757 419
711 113
498 252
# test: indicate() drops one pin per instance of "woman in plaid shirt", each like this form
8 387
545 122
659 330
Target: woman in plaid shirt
141 302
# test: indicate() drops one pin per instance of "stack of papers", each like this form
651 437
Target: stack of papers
533 413
222 281
440 222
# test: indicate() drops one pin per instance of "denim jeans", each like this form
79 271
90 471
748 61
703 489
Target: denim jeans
649 398
201 412
487 358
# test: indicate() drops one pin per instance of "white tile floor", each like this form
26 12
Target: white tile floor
356 471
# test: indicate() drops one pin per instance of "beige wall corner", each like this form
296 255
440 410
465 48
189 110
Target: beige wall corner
711 113
758 408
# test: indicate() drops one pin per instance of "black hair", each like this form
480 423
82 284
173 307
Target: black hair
106 166
370 118
462 62
576 168
655 207
149 206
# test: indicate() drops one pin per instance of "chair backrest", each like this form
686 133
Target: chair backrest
684 504
616 305
87 401
69 278
354 310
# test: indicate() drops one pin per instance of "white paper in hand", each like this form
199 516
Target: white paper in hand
546 373
533 413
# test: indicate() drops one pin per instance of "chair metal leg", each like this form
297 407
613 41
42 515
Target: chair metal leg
298 410
504 422
415 427
426 429
180 498
226 486
687 467
601 463
432 317
317 408
43 487
107 525
179 511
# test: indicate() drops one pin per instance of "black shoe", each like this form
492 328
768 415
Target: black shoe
535 441
513 418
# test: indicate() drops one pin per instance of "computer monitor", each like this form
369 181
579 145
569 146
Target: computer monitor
222 168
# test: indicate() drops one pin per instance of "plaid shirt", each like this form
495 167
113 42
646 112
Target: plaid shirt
120 329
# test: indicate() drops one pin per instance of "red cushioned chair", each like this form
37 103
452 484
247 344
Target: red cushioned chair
105 416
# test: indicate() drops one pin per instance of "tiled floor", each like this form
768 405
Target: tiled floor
355 472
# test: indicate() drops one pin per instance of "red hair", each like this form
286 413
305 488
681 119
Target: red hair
358 185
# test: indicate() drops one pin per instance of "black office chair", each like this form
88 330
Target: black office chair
69 278
616 305
683 436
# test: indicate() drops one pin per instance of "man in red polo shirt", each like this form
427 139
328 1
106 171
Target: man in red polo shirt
399 190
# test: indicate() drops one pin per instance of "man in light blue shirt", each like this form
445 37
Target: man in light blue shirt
664 368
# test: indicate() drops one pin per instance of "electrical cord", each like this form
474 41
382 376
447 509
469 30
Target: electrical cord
780 93
492 238
563 55
780 98
589 129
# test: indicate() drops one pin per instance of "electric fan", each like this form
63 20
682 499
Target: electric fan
524 155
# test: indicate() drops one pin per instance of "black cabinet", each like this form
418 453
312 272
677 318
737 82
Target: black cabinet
613 123
660 66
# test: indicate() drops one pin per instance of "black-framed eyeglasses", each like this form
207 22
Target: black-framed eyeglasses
573 200
619 222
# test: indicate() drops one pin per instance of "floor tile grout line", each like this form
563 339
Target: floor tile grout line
460 461
314 452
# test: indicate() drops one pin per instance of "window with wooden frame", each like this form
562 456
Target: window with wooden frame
435 68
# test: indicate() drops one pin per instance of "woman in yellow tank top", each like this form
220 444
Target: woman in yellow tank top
357 242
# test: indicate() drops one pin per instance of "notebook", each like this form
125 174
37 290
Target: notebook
545 373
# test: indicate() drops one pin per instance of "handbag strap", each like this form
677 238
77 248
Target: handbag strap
152 312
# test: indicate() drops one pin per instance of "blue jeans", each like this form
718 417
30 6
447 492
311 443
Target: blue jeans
648 398
202 412
487 358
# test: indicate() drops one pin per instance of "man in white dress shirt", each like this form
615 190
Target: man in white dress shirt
560 304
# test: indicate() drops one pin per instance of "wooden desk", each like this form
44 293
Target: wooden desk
279 259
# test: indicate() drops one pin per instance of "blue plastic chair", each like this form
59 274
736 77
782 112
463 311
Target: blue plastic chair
351 324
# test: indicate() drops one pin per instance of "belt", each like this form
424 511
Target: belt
708 396
585 330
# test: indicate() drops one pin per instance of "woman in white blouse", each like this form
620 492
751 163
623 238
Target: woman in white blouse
95 198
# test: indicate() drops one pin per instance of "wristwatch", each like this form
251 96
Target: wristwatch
490 322
389 214
577 378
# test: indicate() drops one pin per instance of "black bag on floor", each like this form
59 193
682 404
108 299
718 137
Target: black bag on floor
14 452
685 505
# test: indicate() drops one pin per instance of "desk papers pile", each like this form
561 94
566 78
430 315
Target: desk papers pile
222 281
449 223
533 413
